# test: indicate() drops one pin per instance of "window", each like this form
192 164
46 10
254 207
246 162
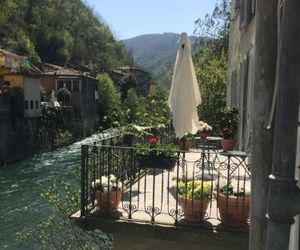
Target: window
233 89
31 104
253 7
36 104
245 102
247 10
76 85
60 84
26 104
69 85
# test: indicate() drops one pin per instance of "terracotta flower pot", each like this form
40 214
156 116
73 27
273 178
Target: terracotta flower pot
228 144
193 210
108 202
234 211
185 145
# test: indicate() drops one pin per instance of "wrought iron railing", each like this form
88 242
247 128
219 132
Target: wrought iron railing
157 187
164 134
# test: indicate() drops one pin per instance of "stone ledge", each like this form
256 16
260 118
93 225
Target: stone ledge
212 239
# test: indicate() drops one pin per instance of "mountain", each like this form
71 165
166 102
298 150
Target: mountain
155 53
58 32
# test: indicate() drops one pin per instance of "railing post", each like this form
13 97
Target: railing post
130 187
176 193
84 155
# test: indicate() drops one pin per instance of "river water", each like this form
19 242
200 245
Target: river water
21 184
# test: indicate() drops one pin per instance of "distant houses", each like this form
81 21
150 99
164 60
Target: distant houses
142 77
19 107
26 87
81 86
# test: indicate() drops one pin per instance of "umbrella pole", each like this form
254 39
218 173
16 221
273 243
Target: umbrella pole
284 198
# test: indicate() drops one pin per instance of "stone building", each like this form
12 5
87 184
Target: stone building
19 107
17 75
255 71
83 89
241 60
142 78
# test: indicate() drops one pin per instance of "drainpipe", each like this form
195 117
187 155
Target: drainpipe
284 197
265 49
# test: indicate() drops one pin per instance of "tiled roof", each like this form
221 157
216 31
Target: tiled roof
5 52
64 72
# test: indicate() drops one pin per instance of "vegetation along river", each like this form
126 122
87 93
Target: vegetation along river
21 184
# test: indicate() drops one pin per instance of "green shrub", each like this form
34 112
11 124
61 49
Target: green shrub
194 189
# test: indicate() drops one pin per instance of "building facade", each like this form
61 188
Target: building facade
19 109
141 76
26 84
82 87
252 81
241 66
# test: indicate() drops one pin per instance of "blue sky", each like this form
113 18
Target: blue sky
129 18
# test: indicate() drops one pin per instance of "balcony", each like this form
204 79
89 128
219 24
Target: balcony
154 204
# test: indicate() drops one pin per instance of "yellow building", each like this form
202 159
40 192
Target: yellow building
25 84
9 62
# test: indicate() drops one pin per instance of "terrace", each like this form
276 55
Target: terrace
152 206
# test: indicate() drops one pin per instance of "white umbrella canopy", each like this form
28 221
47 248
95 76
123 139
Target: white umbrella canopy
184 94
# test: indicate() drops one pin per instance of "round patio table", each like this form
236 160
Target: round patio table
211 142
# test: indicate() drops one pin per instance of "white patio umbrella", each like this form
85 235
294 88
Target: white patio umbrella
184 95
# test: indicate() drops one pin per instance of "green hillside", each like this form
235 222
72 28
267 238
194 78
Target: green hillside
58 31
155 53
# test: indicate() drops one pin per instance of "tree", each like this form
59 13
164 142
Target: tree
214 28
128 82
58 231
109 101
58 32
64 96
211 61
211 72
133 106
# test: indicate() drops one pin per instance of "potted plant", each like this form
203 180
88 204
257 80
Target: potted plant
234 205
204 129
185 142
228 126
108 193
194 197
155 155
130 131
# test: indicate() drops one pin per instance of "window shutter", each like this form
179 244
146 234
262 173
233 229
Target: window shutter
233 99
253 7
246 10
248 128
245 103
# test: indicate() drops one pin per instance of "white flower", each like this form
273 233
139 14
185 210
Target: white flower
104 181
104 185
96 183
112 178
204 127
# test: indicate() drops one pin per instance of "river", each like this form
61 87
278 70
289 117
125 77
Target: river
21 184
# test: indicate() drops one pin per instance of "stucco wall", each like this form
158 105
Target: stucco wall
48 83
18 136
241 59
15 80
32 95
